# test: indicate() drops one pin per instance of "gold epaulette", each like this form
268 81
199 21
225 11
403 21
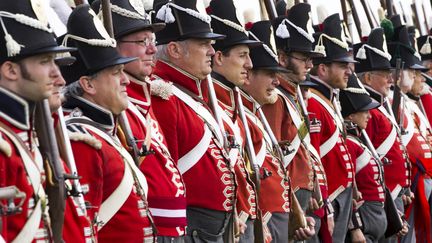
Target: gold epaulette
161 88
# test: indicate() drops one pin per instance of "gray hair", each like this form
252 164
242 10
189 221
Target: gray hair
75 89
162 50
361 76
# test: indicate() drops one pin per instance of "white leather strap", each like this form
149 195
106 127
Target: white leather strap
169 213
28 232
409 130
329 109
233 152
188 160
329 144
115 201
201 111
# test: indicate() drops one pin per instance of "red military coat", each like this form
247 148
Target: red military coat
368 173
274 192
15 115
281 116
327 138
383 134
246 194
426 101
167 194
195 146
103 170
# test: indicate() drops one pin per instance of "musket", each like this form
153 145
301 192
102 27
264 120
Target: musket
65 150
271 9
389 6
355 17
214 106
368 13
55 186
297 218
122 118
250 152
397 90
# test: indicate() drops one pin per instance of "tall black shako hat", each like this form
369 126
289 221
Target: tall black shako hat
399 46
424 45
96 49
264 57
128 16
372 54
225 20
355 98
24 31
332 42
294 32
183 21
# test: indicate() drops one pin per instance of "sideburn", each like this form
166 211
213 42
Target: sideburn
24 71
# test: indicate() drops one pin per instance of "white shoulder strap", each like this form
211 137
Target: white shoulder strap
188 160
233 152
31 226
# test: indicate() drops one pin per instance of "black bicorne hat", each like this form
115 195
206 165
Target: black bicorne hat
281 7
96 49
24 31
355 98
373 54
183 21
424 46
128 16
225 20
332 43
294 32
400 47
264 57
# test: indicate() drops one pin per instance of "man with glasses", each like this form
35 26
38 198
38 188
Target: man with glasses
287 120
329 74
166 196
195 141
374 70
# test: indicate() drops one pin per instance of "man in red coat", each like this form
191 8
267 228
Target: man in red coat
194 138
295 52
231 64
167 194
27 73
115 189
330 73
260 90
373 70
77 226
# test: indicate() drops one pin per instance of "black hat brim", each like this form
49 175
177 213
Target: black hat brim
346 59
419 67
204 35
50 49
153 27
277 69
116 61
65 61
372 105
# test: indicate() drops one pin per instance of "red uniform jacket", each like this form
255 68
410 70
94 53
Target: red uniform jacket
166 196
334 155
102 169
15 114
426 100
274 191
379 128
245 188
209 179
368 173
279 117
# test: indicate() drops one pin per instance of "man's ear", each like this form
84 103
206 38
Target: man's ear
367 78
218 58
10 70
87 85
175 50
283 59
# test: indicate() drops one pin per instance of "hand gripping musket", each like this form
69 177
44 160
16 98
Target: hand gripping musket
297 219
214 106
55 186
66 153
397 90
250 152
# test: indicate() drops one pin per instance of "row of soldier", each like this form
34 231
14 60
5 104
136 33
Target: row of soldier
190 128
